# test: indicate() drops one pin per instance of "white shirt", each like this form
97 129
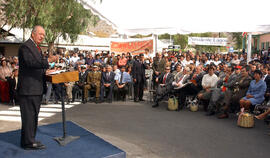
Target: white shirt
74 59
216 62
179 82
185 62
210 80
116 71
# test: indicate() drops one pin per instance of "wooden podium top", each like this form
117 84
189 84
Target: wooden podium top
63 77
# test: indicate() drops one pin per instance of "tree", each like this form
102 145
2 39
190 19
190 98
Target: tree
66 18
237 39
181 40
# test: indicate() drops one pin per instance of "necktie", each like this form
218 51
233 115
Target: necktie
121 79
38 48
108 75
164 79
180 78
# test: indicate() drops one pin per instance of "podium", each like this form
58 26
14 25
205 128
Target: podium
62 78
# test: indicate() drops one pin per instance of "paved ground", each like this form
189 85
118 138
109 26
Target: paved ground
145 132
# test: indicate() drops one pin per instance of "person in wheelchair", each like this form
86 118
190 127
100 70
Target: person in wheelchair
93 82
164 85
107 84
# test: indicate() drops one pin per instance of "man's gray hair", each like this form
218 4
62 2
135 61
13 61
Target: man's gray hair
35 28
107 66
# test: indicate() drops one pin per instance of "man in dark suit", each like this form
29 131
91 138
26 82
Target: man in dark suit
164 85
107 83
32 67
138 75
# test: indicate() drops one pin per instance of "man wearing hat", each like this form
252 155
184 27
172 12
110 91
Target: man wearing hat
158 68
138 75
82 80
93 82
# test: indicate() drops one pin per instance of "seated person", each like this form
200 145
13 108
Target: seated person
78 86
263 115
209 82
224 84
93 82
180 83
193 88
69 86
107 83
178 72
164 85
121 84
235 93
255 93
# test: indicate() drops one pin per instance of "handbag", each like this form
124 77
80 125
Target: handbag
172 103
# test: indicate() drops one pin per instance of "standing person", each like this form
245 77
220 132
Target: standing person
32 67
138 75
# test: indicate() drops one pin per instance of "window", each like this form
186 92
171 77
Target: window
267 45
262 45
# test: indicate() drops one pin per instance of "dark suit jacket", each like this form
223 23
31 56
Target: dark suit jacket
138 71
12 83
32 67
267 81
82 78
104 78
168 81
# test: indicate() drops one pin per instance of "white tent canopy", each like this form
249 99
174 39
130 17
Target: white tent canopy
186 16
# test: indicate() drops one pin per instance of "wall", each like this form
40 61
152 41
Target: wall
10 49
264 39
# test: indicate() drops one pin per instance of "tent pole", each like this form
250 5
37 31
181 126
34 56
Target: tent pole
155 39
249 48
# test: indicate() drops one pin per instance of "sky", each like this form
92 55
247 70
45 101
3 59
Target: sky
130 14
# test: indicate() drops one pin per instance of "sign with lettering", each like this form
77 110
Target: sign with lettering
208 41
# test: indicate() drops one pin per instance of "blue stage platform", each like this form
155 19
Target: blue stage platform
87 146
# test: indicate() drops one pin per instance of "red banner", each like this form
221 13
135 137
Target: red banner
135 47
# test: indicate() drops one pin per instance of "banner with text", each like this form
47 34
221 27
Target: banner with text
134 47
209 41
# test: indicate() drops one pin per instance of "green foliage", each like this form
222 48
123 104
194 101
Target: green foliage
66 17
237 39
164 36
182 40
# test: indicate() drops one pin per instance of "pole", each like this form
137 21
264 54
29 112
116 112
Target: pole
65 139
63 111
249 48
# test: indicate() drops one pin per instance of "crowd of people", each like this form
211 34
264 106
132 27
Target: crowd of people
221 82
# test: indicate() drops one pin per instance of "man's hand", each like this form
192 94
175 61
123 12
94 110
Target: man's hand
156 79
134 80
249 96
